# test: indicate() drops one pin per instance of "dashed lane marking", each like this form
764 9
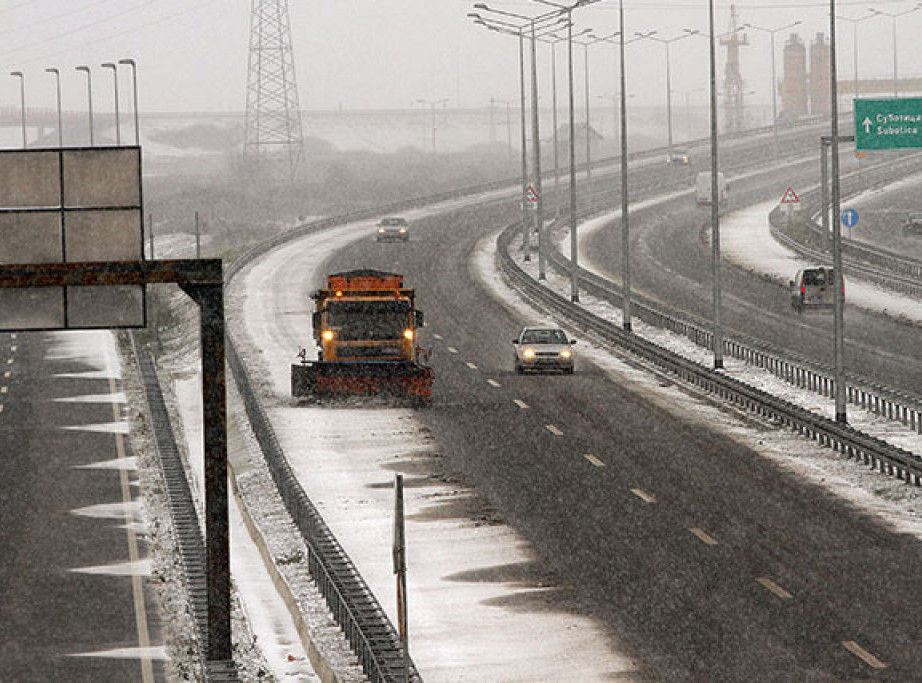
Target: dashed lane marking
594 460
471 366
774 588
4 390
644 496
863 654
437 336
9 361
452 349
520 403
7 373
493 383
553 430
702 536
13 348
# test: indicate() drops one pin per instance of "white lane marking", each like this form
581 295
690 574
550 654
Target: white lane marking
452 349
863 654
520 403
1 407
157 653
643 495
13 336
703 536
493 383
553 430
471 366
13 348
774 588
594 460
9 361
3 390
7 373
437 336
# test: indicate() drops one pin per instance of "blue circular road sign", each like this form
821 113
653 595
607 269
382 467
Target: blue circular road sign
849 218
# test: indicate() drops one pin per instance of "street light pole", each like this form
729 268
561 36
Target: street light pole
854 22
57 79
89 95
432 105
893 18
118 130
838 301
134 90
715 212
22 100
667 42
771 32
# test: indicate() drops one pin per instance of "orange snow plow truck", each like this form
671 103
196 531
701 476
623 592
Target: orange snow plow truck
365 325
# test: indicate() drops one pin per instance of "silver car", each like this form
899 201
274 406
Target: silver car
393 228
543 348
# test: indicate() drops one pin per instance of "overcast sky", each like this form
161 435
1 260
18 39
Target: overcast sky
372 54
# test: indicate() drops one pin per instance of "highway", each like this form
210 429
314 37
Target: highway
72 559
704 560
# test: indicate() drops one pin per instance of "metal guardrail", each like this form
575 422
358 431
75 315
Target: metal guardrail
841 437
186 524
365 624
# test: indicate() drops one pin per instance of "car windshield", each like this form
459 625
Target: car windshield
357 320
395 222
544 337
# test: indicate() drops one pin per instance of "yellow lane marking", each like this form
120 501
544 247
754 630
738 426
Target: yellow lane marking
643 495
471 366
702 536
553 430
493 383
520 403
594 460
774 588
137 586
863 654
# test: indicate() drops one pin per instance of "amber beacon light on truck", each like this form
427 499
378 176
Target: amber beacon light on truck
365 328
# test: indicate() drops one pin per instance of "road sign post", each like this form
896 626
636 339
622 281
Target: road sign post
890 123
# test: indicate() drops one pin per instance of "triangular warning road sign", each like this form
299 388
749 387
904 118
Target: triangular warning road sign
790 197
531 194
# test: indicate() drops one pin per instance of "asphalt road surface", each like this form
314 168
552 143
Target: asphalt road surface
73 606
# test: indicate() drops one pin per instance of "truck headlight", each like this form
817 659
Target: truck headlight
408 334
328 335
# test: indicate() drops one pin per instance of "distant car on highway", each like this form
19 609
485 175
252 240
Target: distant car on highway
813 288
543 348
393 228
913 224
678 157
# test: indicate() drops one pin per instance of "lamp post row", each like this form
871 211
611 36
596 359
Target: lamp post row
89 88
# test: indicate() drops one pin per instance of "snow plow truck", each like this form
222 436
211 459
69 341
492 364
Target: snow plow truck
365 327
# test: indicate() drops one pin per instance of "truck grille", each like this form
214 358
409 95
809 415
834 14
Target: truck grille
369 351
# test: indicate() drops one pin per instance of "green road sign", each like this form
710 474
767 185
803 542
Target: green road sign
892 123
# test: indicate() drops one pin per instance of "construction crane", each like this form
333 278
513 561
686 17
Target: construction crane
733 79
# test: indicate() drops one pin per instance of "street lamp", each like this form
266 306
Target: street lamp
667 42
546 24
89 95
715 212
22 100
893 18
574 242
134 90
771 32
118 130
854 22
57 79
552 40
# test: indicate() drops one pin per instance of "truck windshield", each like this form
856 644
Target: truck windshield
358 320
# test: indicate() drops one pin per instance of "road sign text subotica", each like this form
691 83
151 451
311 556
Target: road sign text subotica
892 123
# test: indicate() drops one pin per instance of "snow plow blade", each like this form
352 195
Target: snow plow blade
328 379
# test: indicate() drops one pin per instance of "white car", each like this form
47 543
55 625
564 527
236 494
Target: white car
393 228
543 348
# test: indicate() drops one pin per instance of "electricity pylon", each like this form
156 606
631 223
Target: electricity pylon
273 117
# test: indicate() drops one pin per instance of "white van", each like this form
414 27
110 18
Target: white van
813 288
703 189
